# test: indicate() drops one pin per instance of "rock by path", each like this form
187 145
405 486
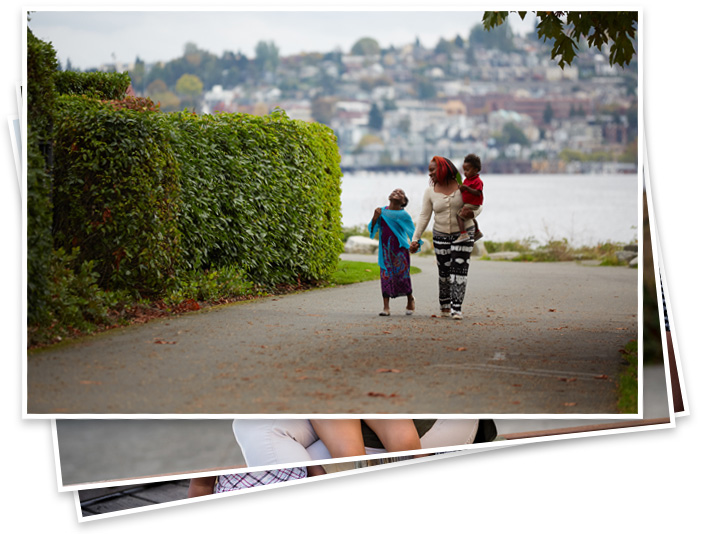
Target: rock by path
537 338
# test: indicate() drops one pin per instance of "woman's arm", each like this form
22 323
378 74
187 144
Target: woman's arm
423 220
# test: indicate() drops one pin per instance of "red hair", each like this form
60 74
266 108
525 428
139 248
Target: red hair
445 170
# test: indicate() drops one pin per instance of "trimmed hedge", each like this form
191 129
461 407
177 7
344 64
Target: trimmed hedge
149 196
41 68
39 232
262 193
100 85
116 190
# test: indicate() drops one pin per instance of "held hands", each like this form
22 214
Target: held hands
414 246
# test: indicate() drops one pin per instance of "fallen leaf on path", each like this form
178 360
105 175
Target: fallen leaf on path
568 379
516 402
552 309
386 332
516 385
302 377
460 349
388 371
376 394
601 377
569 404
90 383
162 342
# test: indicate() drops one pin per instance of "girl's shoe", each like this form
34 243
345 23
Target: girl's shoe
457 316
444 313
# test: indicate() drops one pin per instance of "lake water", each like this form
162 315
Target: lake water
585 209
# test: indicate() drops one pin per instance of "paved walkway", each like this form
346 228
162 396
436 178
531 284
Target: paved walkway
537 338
94 450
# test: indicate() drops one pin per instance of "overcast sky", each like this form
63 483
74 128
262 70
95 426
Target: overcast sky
91 38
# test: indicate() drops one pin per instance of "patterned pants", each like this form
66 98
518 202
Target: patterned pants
453 267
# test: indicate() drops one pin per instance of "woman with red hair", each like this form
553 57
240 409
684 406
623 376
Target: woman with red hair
444 198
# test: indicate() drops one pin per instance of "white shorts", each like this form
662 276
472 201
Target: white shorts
267 442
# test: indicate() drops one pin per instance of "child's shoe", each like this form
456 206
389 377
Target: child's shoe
478 236
457 315
462 238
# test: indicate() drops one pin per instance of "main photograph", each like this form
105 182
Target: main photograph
332 212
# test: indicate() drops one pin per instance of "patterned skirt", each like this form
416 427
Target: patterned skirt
237 481
395 277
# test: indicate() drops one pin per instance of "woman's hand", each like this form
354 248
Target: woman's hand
466 213
414 246
378 212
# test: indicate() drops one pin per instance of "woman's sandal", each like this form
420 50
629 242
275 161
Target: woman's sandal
410 311
384 313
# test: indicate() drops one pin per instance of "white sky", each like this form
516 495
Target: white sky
91 38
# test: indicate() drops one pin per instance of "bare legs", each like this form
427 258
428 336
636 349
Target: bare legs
343 437
386 305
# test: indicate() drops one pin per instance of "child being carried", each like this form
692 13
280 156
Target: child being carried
472 195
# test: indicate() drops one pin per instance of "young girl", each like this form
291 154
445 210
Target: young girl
394 227
472 194
343 437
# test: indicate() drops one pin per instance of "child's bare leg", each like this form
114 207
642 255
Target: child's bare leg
460 223
342 437
396 434
316 470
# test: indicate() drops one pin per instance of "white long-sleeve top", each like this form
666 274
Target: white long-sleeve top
445 209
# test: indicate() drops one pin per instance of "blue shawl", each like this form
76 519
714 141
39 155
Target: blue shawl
401 225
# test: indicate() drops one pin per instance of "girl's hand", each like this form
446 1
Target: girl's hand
414 246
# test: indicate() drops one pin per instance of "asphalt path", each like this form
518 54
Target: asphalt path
537 338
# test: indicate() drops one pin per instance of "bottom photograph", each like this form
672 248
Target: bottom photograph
95 502
105 502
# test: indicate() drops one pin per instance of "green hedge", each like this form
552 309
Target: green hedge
116 190
39 232
149 196
100 85
41 68
262 193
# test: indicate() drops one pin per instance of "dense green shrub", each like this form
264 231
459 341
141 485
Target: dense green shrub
261 193
41 68
41 71
39 232
99 85
116 189
150 196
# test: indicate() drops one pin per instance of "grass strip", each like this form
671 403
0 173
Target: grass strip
352 272
628 379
